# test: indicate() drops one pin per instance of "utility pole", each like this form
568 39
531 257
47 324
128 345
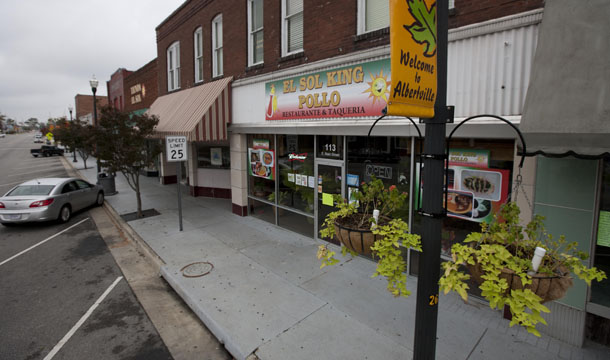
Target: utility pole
426 313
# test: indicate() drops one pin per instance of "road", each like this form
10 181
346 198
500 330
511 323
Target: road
63 295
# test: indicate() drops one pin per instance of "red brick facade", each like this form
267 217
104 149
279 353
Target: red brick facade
84 104
330 29
141 88
116 94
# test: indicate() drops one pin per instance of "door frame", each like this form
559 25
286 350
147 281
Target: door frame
326 162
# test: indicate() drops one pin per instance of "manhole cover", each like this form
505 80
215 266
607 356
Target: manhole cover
197 269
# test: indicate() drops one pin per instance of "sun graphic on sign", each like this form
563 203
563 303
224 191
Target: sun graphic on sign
379 87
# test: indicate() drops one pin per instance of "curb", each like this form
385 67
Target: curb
123 226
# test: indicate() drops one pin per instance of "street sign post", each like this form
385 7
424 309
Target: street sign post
176 151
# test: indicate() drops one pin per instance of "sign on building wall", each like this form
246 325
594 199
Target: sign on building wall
413 57
352 91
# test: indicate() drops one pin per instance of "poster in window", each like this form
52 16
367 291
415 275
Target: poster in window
216 156
261 163
474 194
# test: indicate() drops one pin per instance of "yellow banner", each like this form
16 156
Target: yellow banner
413 58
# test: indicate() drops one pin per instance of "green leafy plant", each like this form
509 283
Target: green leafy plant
423 30
392 234
500 256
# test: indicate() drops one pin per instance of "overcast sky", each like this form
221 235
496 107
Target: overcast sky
49 49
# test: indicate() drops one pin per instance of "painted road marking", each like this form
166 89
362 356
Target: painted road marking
13 183
37 166
80 322
36 172
42 242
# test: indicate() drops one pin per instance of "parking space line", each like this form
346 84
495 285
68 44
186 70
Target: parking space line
42 242
13 183
80 322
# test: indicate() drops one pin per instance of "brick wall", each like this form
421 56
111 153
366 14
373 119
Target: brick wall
83 104
140 87
330 29
468 12
115 89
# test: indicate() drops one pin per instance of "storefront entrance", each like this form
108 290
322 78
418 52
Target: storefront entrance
330 175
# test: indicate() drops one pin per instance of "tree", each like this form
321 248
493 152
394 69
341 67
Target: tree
32 123
83 139
2 122
123 145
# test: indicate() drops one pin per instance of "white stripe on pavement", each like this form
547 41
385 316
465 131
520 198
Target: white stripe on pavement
37 171
80 322
42 242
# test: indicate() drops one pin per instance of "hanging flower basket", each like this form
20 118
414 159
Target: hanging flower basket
355 239
547 287
520 267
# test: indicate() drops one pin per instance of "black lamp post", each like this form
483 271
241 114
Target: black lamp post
70 108
93 82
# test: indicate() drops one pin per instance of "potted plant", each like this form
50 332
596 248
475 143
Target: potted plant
520 267
363 225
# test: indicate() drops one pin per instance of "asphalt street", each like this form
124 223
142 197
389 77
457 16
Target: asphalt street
63 295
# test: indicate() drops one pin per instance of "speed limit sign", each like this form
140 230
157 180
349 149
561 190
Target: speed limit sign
176 148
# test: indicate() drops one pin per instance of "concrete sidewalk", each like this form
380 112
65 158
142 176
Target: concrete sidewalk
267 296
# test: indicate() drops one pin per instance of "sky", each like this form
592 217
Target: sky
49 49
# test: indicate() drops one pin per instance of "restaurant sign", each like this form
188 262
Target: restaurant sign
413 56
352 91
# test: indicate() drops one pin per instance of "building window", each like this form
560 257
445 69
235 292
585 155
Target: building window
173 66
198 40
213 156
292 26
451 4
255 29
217 46
373 15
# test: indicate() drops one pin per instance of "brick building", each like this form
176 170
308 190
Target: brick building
276 99
115 87
141 88
84 106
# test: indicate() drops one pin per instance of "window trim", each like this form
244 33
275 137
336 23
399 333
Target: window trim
361 27
285 30
174 49
198 57
251 34
215 48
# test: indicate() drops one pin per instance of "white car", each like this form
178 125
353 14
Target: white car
48 199
2 135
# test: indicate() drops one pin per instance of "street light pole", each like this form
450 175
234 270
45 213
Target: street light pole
93 82
70 108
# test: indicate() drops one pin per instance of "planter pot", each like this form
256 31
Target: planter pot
357 240
549 288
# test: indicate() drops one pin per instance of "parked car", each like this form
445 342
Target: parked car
47 150
48 199
2 135
38 140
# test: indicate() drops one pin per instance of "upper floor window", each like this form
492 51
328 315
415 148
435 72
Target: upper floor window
217 46
173 66
373 15
292 26
255 32
198 40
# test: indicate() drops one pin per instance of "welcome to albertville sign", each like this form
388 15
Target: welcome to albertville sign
360 90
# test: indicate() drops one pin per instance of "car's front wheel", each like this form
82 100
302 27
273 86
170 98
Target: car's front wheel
8 224
100 199
64 214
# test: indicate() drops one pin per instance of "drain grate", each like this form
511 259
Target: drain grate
197 269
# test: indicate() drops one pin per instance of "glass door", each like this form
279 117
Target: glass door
330 181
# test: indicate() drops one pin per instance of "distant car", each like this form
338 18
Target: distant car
2 135
48 199
38 140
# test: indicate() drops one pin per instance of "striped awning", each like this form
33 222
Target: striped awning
200 113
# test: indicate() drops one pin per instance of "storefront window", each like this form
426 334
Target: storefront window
261 166
479 183
386 158
600 291
296 171
213 156
330 147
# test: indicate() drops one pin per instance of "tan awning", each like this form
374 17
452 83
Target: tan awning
200 113
567 108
